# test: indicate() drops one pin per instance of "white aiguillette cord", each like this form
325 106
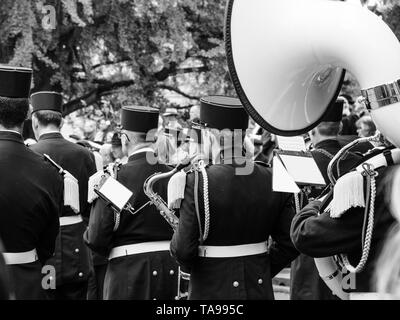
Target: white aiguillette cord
201 167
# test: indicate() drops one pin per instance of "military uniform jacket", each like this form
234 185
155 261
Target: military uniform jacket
243 210
332 146
151 275
30 200
72 257
323 236
306 283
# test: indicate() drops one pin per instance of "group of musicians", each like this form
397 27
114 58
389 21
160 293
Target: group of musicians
234 233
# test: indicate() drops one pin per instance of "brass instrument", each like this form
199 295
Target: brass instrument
169 215
161 205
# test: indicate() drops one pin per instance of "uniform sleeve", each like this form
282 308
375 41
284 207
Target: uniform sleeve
282 250
47 239
185 241
323 236
99 234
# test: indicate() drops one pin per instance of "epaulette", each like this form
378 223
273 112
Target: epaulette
176 189
348 192
349 189
177 184
71 186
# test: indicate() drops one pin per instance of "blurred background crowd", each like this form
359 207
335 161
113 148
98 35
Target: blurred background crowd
96 127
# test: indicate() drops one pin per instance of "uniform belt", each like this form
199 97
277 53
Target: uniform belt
66 221
233 251
20 257
137 248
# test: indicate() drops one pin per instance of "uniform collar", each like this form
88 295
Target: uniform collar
140 153
51 135
11 135
327 143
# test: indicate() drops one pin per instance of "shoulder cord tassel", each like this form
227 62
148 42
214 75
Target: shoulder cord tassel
347 193
71 191
71 186
371 174
176 189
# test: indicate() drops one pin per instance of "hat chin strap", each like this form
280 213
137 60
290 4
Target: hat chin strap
387 120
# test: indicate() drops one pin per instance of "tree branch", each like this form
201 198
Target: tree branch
94 95
110 63
170 88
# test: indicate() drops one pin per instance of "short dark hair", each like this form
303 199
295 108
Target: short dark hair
329 129
48 117
13 111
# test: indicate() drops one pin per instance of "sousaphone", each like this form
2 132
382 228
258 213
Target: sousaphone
287 60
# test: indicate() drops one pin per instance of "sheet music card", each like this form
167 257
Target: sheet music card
298 162
116 193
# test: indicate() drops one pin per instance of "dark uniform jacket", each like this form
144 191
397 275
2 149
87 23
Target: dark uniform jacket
332 146
5 289
306 283
323 236
243 210
30 201
72 257
151 275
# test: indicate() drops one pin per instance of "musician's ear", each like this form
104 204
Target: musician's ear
35 126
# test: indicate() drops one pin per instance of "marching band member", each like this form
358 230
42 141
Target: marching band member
30 192
357 215
137 246
387 268
71 259
227 215
305 282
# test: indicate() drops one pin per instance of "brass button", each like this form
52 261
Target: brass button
80 274
236 284
76 250
260 281
171 272
154 273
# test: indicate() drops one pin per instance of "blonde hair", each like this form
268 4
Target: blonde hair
164 149
387 273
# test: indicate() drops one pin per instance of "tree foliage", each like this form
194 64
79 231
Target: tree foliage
130 51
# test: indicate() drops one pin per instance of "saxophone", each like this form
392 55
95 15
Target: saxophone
155 199
169 215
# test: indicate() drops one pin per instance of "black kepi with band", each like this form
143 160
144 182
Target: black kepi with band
139 119
221 112
46 101
15 82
